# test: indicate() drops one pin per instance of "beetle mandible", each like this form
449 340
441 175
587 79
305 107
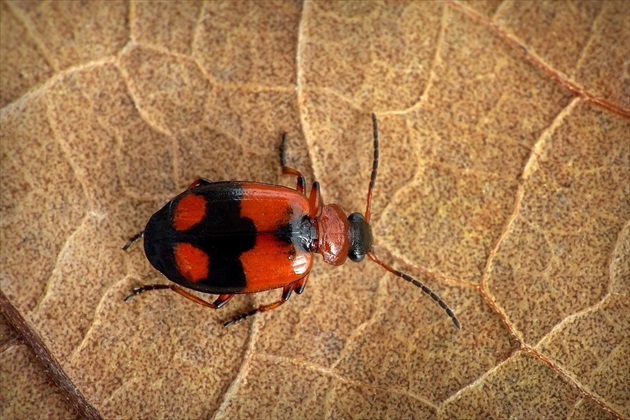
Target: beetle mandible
235 237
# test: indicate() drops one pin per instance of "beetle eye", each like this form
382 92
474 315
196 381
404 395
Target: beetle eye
360 237
356 255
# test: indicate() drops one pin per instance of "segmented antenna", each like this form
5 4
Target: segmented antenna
368 206
419 284
373 257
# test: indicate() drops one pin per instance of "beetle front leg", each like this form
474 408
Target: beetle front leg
301 182
286 294
315 200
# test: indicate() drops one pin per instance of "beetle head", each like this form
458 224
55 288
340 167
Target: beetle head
360 234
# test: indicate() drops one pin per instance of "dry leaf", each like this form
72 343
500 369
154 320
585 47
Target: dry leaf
504 186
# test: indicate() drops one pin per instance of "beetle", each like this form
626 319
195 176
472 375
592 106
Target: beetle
235 237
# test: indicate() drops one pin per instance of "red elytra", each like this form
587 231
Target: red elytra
237 237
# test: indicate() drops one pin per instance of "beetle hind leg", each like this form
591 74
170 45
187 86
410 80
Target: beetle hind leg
286 294
146 288
135 238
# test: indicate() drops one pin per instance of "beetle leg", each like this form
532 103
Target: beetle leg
133 240
301 183
286 294
146 288
199 182
219 302
299 285
315 200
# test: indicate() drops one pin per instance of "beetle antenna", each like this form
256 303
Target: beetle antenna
374 168
419 284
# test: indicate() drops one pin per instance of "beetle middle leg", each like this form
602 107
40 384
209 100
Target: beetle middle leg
219 302
199 182
286 294
301 182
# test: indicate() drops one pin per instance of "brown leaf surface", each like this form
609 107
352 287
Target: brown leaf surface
27 377
504 186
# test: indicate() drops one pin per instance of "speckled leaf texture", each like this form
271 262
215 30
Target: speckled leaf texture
504 185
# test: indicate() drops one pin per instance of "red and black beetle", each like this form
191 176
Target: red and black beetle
235 237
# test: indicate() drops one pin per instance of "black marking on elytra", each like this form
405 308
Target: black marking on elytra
223 234
285 233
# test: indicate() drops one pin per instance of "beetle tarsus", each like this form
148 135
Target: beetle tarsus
134 292
240 318
132 240
146 288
